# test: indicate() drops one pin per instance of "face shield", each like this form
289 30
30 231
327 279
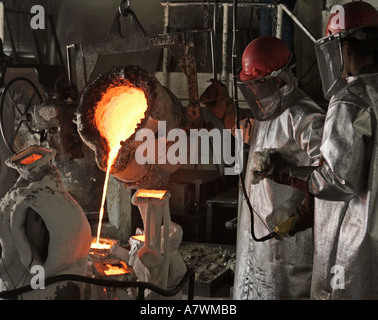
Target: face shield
263 95
330 56
331 64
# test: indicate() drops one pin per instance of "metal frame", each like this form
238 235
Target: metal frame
39 55
280 8
181 44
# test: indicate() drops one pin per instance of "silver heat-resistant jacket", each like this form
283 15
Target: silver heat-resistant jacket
278 269
346 217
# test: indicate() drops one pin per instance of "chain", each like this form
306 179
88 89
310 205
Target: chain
205 24
274 17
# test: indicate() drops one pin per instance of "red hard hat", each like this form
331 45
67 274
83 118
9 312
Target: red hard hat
263 56
356 14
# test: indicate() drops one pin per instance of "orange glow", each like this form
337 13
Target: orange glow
118 114
145 193
139 237
97 244
31 158
116 117
101 214
116 269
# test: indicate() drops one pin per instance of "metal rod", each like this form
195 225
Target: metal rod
213 54
69 64
234 56
165 50
56 40
298 22
227 3
214 39
2 20
215 11
278 30
224 44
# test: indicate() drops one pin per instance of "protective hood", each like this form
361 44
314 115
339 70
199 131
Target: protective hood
330 57
331 64
264 97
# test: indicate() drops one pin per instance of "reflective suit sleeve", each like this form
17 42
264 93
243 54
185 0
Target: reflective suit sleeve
307 130
345 151
307 133
304 216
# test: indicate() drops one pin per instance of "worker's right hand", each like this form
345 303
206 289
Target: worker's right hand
301 220
284 228
218 101
260 165
304 216
282 168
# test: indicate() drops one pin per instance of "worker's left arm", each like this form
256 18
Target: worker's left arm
346 150
307 133
279 165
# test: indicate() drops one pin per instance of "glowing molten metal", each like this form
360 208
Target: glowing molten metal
117 115
155 194
139 237
31 158
116 269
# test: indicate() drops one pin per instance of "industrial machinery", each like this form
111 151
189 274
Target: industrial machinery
89 164
67 127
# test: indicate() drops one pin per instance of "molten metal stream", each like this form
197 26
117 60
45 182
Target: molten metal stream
117 116
101 214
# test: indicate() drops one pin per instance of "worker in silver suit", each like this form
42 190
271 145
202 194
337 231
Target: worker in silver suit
284 118
346 183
